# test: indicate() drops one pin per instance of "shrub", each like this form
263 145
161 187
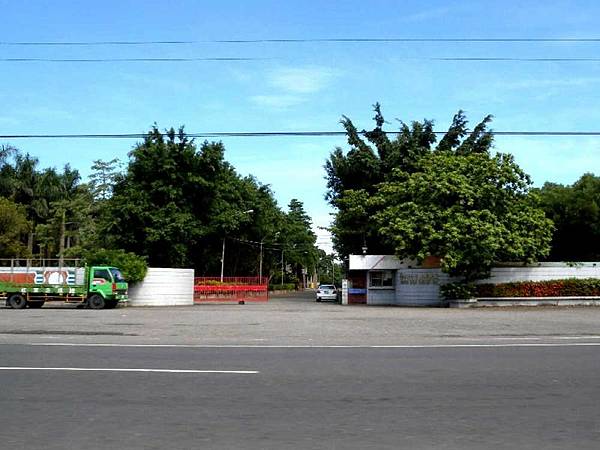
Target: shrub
132 266
456 291
571 287
282 287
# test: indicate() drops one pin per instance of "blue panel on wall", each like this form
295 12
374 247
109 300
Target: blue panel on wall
356 291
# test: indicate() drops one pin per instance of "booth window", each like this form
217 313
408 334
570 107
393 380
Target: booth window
381 278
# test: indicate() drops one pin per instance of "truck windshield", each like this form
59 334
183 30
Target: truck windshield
116 273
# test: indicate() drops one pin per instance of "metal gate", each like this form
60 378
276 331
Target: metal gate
231 289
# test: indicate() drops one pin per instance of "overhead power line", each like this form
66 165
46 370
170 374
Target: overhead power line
277 134
102 60
295 41
224 59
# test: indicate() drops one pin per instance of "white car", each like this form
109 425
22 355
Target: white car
327 292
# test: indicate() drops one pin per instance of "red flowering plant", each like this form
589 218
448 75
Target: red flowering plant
571 287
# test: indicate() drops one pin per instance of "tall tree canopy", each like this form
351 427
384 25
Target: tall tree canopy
175 204
178 201
455 200
52 201
575 211
13 225
470 210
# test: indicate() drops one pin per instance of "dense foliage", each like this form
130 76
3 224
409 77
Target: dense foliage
471 210
456 201
13 225
175 204
329 269
575 211
132 267
283 287
178 201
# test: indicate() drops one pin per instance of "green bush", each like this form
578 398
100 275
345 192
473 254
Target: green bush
282 287
132 266
457 291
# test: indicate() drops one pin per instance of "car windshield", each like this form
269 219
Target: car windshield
327 286
116 273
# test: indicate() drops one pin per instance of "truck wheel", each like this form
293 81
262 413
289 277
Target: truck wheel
17 301
35 304
96 301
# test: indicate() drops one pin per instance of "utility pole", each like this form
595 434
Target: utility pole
61 243
261 258
282 267
223 260
333 270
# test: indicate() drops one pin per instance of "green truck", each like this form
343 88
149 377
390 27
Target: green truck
28 283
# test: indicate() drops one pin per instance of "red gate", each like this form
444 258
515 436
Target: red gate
231 289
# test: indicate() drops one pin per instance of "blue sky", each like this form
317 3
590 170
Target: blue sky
302 86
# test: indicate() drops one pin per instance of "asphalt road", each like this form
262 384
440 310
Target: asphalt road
63 391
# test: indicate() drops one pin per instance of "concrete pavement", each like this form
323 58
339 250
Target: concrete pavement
297 320
276 376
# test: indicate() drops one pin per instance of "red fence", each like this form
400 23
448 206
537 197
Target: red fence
231 289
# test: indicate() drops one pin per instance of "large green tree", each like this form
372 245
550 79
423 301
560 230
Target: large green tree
13 226
471 210
575 211
452 200
298 239
179 202
51 200
353 176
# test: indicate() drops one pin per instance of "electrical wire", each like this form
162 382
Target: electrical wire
227 134
246 59
295 41
109 60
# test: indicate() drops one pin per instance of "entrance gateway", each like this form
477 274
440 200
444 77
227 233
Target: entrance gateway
388 280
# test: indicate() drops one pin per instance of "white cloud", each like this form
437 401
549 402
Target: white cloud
291 86
306 80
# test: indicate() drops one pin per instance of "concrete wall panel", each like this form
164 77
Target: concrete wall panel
164 287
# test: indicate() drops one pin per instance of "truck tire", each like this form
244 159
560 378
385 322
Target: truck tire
17 301
96 301
35 304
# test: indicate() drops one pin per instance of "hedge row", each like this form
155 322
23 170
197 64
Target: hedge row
282 287
572 287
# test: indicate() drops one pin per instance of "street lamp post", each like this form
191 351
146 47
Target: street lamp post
260 263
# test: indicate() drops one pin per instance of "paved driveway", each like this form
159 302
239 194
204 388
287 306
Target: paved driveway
296 374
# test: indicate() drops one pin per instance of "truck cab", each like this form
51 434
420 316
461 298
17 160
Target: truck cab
106 287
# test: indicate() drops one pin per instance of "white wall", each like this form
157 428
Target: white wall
541 272
419 287
164 287
415 286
